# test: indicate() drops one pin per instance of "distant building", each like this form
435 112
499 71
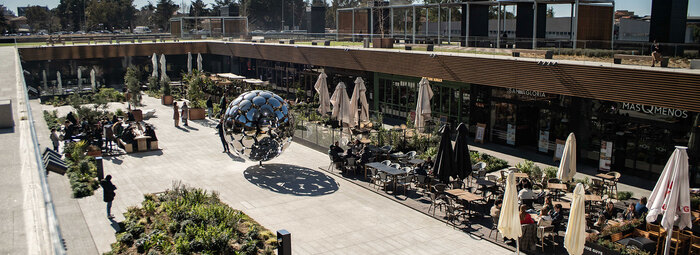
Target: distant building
21 11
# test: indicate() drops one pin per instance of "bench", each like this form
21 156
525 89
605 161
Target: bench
57 41
547 53
258 39
174 39
118 40
617 59
75 41
129 148
429 47
104 40
324 42
287 41
148 38
53 162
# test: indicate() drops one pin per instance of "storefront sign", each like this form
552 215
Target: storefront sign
524 92
559 151
480 130
544 141
510 135
655 110
605 156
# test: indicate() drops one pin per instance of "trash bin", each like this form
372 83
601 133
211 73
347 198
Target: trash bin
365 42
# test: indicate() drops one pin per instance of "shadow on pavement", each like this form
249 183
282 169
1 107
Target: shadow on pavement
234 157
146 153
206 122
181 128
291 179
7 130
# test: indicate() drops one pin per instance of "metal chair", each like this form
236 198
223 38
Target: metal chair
421 181
383 180
411 155
457 184
544 229
611 185
350 164
453 211
494 226
403 181
435 202
386 162
395 165
374 177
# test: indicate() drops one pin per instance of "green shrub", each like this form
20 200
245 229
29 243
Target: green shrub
550 172
131 80
624 195
495 164
126 238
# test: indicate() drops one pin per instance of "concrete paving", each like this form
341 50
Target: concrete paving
325 214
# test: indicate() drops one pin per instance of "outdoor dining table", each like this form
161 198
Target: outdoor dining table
141 142
465 196
398 155
605 177
416 161
556 187
520 175
393 172
564 205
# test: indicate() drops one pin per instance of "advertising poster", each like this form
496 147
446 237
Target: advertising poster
605 156
480 131
543 144
559 151
510 135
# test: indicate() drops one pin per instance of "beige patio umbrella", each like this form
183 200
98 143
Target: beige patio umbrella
567 165
425 93
60 83
323 98
189 62
199 62
341 105
43 74
358 103
154 61
92 80
575 237
671 195
80 80
163 67
509 220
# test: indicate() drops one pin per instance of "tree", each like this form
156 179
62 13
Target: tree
110 14
216 7
493 13
164 11
145 16
4 23
38 17
198 8
131 79
71 13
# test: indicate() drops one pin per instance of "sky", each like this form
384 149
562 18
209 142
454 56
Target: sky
640 7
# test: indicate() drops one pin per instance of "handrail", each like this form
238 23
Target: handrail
51 220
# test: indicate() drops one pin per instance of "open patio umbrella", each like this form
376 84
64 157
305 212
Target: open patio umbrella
189 62
43 74
425 93
567 165
199 62
154 61
80 80
163 75
341 105
358 103
60 83
509 220
463 162
444 160
671 195
92 80
575 237
323 99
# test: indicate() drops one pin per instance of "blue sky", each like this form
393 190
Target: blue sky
640 7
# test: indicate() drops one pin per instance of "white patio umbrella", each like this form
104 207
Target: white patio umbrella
341 105
189 62
358 103
199 62
43 74
80 80
154 61
671 195
575 237
60 83
92 80
163 76
425 93
323 98
567 165
509 220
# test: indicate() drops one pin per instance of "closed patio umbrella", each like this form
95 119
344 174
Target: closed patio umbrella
341 105
567 165
575 237
323 99
154 61
189 62
199 62
92 80
425 93
671 195
444 159
43 74
358 103
509 220
463 163
163 75
80 80
60 83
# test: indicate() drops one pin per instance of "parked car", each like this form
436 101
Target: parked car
142 30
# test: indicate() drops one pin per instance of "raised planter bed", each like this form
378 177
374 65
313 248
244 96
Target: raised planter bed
596 249
383 43
166 100
197 114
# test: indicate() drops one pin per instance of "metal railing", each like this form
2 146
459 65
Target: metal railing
55 235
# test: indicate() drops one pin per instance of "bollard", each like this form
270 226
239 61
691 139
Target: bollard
284 240
100 170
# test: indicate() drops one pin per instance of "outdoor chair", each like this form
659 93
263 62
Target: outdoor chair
373 176
440 189
597 187
386 162
553 180
494 226
611 185
656 233
694 245
679 241
410 155
544 229
387 148
383 180
336 161
457 184
403 182
436 201
453 211
422 181
350 164
395 165
496 189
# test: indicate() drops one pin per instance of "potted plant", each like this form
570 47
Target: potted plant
166 98
131 79
94 151
195 82
382 42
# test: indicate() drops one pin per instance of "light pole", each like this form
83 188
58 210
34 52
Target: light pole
282 29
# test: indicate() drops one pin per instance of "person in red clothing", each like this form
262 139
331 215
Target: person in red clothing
525 217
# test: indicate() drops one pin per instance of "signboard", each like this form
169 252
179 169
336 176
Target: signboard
510 134
543 144
480 131
605 156
559 151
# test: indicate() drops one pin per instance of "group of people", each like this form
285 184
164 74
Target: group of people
633 211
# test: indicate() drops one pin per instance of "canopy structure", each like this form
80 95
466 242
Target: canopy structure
154 62
189 62
92 79
254 81
80 79
60 83
463 161
163 75
199 62
444 160
44 82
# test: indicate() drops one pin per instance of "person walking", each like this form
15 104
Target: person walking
222 105
655 53
222 134
210 108
176 114
54 139
108 191
185 113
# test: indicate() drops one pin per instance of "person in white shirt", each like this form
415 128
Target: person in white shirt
526 193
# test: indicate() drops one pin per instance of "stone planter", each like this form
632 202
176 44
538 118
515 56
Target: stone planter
596 249
197 113
94 153
383 43
166 100
138 114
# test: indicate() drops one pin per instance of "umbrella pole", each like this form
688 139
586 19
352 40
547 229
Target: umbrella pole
517 245
667 248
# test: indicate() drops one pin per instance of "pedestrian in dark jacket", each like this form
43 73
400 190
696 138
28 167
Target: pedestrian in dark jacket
220 130
108 190
210 108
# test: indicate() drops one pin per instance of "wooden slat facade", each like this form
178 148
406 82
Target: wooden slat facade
650 87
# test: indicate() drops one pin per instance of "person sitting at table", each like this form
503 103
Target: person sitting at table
545 214
68 130
525 217
610 211
600 223
496 209
421 171
523 182
641 207
335 149
526 193
630 213
128 136
548 204
557 217
428 163
151 133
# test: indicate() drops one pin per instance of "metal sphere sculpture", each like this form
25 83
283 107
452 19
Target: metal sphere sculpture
259 125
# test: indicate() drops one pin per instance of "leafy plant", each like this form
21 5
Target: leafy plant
195 83
550 172
165 87
624 195
131 80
